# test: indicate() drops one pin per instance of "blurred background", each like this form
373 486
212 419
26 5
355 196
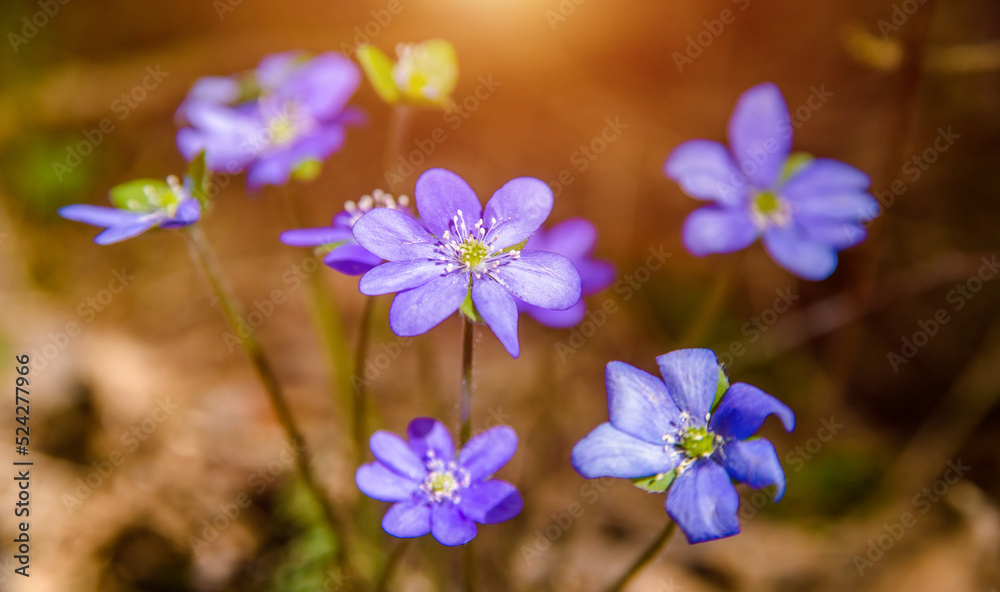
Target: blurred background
159 464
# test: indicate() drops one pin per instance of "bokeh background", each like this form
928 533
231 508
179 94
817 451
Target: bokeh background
874 437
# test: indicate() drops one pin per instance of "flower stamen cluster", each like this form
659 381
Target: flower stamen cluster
377 199
472 249
444 481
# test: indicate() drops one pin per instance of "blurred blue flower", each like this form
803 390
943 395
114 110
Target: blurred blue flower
805 209
139 205
288 116
344 254
433 490
678 433
463 255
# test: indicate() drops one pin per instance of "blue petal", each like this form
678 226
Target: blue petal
351 259
743 410
638 403
314 237
121 232
719 230
418 310
491 502
440 195
824 176
450 527
836 233
558 319
703 503
394 236
799 254
760 134
608 452
541 278
323 84
428 435
396 276
574 239
705 170
498 310
188 212
692 378
378 482
393 452
754 462
272 169
407 520
519 208
97 215
488 451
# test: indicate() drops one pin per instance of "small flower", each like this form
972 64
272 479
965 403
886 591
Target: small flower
435 491
575 240
463 256
285 119
805 209
424 74
139 205
343 253
689 432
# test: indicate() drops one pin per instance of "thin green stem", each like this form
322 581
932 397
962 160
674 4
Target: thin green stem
204 257
652 551
465 392
360 398
400 117
711 307
395 556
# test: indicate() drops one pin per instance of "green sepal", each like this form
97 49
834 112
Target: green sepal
721 388
132 195
656 483
468 308
519 246
323 250
307 170
198 173
794 164
378 69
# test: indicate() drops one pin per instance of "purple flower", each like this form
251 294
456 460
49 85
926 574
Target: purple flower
575 240
139 205
465 253
295 115
344 253
805 209
690 433
433 490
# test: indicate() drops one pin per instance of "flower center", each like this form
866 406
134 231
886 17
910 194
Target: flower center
472 252
444 481
697 442
691 441
421 71
767 209
285 123
471 248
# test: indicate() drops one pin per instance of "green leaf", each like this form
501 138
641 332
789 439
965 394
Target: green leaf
199 175
378 69
722 388
794 164
135 195
468 308
307 170
657 483
516 247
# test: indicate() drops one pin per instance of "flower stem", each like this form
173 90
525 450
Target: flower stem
400 117
204 257
470 568
711 307
651 552
360 399
465 393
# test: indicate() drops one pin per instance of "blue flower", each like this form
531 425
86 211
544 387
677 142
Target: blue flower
805 209
676 433
575 240
435 491
344 253
292 112
139 205
465 253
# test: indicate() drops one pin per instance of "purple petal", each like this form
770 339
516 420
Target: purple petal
760 134
595 276
558 319
450 527
394 236
97 215
418 310
608 452
396 276
427 435
718 230
519 208
705 170
825 176
407 520
314 237
743 410
851 207
440 195
541 278
799 254
393 452
836 233
351 259
498 310
488 451
491 502
692 378
638 403
188 212
273 169
378 482
323 85
574 239
703 503
754 462
121 232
